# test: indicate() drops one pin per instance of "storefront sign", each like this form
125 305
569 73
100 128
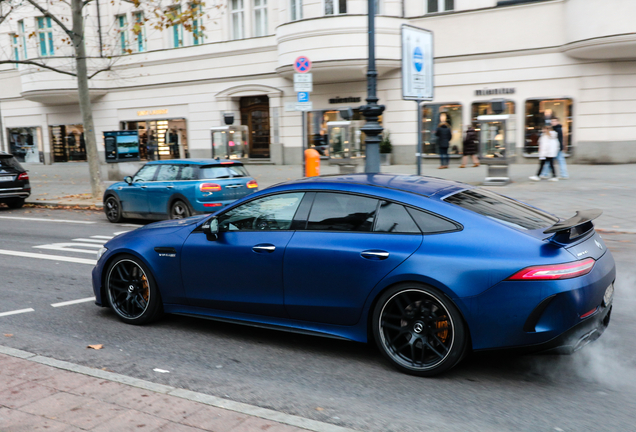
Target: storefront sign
152 113
417 63
338 100
494 92
121 146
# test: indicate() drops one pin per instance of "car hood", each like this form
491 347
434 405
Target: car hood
175 223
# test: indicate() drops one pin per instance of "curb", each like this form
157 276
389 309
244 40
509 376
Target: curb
62 205
239 407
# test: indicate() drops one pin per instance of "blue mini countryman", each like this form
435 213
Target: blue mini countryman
174 189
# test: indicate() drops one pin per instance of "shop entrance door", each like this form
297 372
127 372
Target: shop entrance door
255 115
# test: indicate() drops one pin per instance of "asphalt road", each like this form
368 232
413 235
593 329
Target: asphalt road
340 382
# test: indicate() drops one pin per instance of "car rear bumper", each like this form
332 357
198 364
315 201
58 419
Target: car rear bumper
14 193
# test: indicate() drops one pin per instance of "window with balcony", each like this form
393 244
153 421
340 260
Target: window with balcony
296 9
22 36
197 24
174 15
121 28
335 7
139 30
440 5
236 12
260 17
45 36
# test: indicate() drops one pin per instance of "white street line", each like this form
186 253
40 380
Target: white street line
69 247
48 257
47 220
102 237
89 240
15 312
71 302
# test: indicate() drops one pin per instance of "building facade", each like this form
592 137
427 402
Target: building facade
570 59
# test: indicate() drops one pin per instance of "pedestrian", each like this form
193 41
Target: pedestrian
443 134
471 147
563 169
548 150
151 145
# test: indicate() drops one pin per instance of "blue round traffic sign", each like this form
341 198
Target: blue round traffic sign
418 59
302 64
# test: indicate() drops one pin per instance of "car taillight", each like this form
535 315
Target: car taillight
212 205
227 163
555 271
252 184
23 176
209 187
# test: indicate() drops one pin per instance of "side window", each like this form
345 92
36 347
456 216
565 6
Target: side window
393 218
168 173
187 173
146 173
342 212
429 223
274 212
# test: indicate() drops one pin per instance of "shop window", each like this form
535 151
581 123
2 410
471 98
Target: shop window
160 139
236 14
26 144
67 143
435 114
440 5
335 7
122 24
260 17
139 30
485 108
45 36
296 9
318 133
540 112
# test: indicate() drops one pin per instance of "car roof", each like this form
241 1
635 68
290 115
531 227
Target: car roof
421 185
5 154
195 162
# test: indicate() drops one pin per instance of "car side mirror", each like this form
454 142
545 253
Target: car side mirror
211 228
128 179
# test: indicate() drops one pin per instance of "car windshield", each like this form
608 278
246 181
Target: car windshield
502 209
10 162
222 171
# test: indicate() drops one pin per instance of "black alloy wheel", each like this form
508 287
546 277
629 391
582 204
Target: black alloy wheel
112 208
179 210
132 291
15 203
419 330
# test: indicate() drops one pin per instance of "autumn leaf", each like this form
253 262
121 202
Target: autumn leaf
96 347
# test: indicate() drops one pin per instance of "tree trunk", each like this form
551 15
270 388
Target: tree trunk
85 99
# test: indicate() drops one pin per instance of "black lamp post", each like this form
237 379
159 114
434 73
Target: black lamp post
371 111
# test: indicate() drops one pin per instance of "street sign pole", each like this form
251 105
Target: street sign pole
303 85
419 136
304 146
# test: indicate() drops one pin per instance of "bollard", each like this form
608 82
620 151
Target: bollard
312 163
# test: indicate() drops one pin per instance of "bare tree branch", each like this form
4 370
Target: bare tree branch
4 16
53 17
100 71
34 63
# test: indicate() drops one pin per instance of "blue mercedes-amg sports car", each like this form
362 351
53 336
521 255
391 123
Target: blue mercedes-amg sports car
427 268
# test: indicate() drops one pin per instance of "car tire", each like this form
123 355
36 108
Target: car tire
15 203
132 291
419 330
179 210
112 209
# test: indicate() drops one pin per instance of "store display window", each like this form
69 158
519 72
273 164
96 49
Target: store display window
25 144
432 116
160 139
67 143
540 112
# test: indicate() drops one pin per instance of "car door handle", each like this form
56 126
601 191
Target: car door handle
143 187
169 187
374 254
233 186
261 248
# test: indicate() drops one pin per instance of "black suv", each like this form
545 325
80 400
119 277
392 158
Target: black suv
14 181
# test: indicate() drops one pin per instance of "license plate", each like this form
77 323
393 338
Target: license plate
6 178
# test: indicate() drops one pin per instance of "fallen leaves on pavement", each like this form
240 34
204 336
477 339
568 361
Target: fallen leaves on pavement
96 347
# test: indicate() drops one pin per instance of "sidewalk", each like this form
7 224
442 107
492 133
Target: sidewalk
39 393
611 188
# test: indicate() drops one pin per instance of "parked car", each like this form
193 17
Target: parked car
428 268
174 189
14 181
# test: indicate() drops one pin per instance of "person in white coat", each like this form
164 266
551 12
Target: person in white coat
548 150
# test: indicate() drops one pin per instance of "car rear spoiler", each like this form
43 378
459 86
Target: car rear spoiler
568 230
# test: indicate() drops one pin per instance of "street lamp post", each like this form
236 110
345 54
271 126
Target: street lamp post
371 111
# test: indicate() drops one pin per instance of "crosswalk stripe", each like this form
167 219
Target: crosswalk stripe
49 257
15 312
72 302
47 220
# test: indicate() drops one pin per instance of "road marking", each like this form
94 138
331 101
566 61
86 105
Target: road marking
69 247
48 257
15 312
104 237
72 302
47 220
100 241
